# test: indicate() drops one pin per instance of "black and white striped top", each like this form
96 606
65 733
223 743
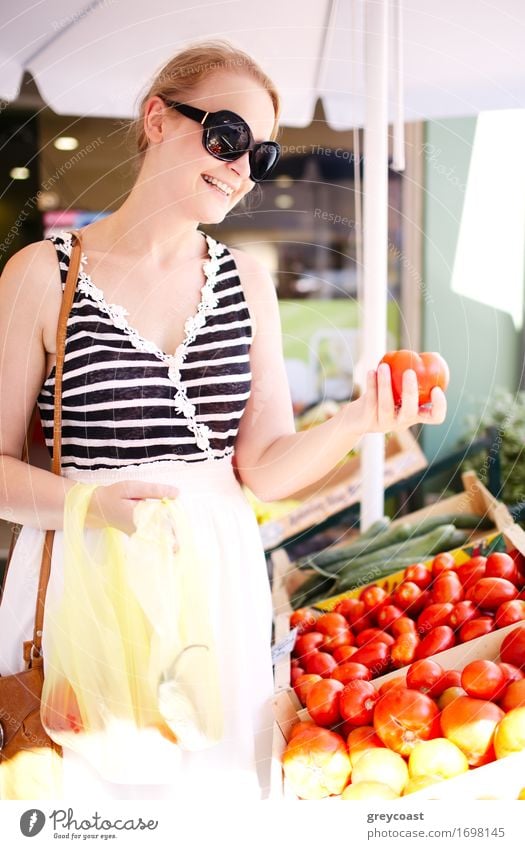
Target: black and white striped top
125 402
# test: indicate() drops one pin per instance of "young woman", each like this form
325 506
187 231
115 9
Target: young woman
173 363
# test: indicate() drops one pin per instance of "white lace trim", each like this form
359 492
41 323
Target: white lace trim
117 314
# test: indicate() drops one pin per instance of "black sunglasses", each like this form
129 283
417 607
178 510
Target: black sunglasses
227 136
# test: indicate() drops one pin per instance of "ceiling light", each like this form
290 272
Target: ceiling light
284 181
284 201
66 143
19 173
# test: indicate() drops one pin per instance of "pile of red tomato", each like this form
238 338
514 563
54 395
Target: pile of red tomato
416 729
431 610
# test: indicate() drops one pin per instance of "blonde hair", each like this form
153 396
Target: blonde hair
179 78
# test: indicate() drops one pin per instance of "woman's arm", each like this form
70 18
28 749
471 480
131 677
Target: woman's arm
272 459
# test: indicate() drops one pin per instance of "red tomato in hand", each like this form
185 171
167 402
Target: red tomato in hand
431 370
483 679
404 717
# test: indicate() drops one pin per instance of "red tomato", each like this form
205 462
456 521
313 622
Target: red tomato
470 724
489 593
307 644
370 634
510 733
343 653
376 656
434 615
388 614
329 623
303 619
514 696
339 638
320 663
511 672
322 701
351 671
295 673
447 587
462 612
316 763
483 679
357 702
303 684
430 367
510 612
451 678
350 608
442 563
471 571
403 625
512 649
404 649
407 596
404 717
438 639
501 565
419 574
425 675
372 597
361 624
475 628
399 681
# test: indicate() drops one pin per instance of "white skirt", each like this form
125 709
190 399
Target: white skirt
225 529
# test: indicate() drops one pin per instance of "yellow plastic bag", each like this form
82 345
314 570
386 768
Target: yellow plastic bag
131 668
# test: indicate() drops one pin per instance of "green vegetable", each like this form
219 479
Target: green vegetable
361 546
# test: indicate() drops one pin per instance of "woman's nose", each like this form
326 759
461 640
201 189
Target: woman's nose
241 166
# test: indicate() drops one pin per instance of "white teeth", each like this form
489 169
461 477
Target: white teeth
222 186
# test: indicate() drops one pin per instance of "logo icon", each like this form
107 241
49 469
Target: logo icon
32 822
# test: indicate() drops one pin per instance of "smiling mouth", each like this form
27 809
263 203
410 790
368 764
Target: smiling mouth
223 188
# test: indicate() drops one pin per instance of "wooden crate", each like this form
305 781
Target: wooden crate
501 779
475 499
287 708
341 488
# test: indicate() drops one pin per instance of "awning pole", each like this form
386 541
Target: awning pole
375 241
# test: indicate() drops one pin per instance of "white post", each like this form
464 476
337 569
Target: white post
375 241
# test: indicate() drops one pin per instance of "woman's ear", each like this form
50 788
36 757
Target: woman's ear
155 118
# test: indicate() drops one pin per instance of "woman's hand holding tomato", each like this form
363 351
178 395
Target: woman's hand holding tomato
396 398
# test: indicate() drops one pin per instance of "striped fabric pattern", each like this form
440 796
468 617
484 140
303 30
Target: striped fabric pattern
125 402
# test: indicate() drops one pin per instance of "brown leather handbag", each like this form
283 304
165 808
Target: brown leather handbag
20 694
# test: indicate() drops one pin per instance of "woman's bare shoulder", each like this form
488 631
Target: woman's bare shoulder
31 284
258 285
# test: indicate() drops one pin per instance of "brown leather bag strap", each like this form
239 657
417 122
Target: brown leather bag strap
45 568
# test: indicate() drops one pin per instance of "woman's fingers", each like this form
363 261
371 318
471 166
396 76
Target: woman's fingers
410 398
437 412
385 397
